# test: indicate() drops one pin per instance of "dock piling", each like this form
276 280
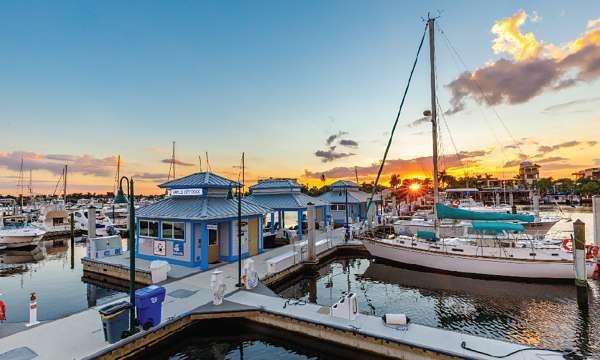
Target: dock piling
91 222
312 234
72 222
579 256
596 211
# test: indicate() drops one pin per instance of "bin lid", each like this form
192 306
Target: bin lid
114 308
150 291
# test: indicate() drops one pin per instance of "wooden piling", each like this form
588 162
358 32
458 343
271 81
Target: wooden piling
72 222
596 211
579 257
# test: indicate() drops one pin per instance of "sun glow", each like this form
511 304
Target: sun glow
414 187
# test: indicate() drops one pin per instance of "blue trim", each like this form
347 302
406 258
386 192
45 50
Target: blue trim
272 222
170 261
230 255
203 246
299 224
260 234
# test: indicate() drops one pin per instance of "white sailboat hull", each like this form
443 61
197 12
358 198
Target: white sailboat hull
20 237
465 264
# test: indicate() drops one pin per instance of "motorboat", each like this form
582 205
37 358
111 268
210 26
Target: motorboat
104 226
53 218
19 235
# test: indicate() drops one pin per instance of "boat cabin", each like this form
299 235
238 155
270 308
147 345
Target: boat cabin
197 223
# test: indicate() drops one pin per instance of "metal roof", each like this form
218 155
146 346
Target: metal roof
200 180
199 208
354 197
276 184
285 201
344 184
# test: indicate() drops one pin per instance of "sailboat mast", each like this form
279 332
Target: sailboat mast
65 184
436 195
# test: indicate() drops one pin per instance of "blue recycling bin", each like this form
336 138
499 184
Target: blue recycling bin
148 305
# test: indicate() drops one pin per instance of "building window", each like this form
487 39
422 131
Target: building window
149 228
213 236
173 230
339 207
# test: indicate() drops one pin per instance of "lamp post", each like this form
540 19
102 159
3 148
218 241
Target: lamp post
347 236
121 199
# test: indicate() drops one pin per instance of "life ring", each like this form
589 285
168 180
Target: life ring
591 251
567 245
2 311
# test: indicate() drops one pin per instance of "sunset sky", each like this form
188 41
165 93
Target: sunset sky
304 88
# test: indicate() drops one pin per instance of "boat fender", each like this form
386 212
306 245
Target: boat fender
395 319
2 311
591 251
567 245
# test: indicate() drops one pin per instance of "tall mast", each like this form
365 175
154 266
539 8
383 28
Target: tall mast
118 173
436 195
173 160
65 184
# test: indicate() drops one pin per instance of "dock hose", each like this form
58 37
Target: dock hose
293 301
464 346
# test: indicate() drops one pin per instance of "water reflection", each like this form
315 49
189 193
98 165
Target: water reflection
536 314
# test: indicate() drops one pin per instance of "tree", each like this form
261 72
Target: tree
394 181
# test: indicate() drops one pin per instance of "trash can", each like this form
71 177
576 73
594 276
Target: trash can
148 304
115 321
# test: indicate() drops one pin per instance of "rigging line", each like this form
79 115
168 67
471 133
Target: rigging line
460 160
387 148
515 142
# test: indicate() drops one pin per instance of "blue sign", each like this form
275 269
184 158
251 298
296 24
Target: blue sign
178 248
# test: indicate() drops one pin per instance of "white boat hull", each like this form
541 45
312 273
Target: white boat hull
407 227
487 266
19 238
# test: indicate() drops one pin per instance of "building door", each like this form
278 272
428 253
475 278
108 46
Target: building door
213 243
253 235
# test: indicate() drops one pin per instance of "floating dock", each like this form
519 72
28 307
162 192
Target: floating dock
189 299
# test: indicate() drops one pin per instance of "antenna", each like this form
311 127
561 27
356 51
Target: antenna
200 161
172 164
356 174
208 162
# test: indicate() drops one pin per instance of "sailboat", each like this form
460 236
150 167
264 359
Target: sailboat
489 249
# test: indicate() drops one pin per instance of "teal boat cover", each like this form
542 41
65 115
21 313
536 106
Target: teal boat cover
449 212
497 226
429 235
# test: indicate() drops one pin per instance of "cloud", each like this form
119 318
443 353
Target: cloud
150 176
419 121
570 104
349 143
331 138
332 142
534 66
551 159
519 143
544 149
83 164
177 162
331 155
596 161
397 166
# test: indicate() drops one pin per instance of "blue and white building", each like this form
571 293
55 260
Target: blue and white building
285 195
357 202
197 224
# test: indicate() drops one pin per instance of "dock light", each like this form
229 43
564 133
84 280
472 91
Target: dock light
121 199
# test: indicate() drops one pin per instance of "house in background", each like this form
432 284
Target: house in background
285 195
357 201
196 225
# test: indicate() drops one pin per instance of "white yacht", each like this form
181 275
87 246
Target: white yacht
18 235
104 226
53 218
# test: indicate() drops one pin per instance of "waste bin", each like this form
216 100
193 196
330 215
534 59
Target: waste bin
115 321
148 304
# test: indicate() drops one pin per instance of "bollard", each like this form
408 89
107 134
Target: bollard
312 233
32 310
91 214
596 211
250 276
579 257
217 287
536 206
72 241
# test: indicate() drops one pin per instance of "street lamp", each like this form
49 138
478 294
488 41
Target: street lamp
121 199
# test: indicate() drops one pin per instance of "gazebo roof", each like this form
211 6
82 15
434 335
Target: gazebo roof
200 180
276 184
287 201
199 208
344 184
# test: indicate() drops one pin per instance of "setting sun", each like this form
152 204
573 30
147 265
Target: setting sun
414 187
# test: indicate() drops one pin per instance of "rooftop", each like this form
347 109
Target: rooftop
287 201
200 180
344 184
276 184
199 208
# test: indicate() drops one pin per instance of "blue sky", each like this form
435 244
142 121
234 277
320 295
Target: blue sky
272 78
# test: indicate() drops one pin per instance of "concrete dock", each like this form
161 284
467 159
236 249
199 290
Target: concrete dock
80 335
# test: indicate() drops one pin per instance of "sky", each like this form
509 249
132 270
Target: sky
305 89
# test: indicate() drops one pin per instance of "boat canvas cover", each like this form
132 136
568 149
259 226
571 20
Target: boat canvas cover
449 212
497 226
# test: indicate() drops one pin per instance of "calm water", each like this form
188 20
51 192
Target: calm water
60 291
535 314
213 340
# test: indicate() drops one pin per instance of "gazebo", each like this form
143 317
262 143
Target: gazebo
283 195
356 200
197 224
